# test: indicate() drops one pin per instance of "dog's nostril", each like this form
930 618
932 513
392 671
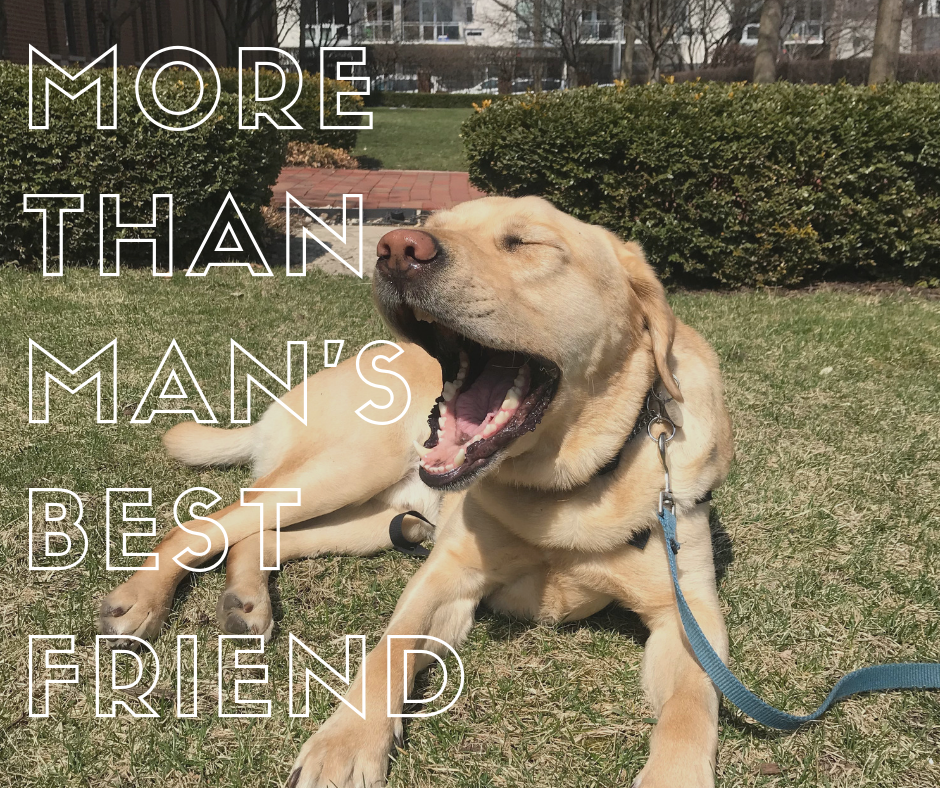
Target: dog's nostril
407 246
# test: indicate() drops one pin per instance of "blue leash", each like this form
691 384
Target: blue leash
909 675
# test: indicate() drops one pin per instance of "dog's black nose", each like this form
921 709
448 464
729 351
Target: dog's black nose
403 253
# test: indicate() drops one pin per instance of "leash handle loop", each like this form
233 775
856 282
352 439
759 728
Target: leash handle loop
877 678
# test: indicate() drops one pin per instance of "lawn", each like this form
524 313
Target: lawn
414 139
831 510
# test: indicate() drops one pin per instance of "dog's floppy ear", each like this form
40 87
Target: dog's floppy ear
658 315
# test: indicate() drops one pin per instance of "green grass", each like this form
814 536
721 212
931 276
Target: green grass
831 510
414 139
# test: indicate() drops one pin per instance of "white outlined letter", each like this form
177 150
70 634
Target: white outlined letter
56 512
326 351
153 85
125 518
275 56
49 666
215 498
70 207
364 81
179 677
265 704
228 242
173 389
161 247
391 394
342 237
308 674
294 349
440 661
49 377
293 500
124 688
94 83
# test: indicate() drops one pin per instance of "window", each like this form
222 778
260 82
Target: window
379 18
430 20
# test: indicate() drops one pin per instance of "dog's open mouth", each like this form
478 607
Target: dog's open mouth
490 397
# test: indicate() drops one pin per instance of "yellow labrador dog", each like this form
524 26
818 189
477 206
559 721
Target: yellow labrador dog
534 340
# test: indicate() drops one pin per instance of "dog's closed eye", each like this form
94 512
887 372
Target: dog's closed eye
512 242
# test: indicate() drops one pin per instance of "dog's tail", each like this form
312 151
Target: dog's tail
197 444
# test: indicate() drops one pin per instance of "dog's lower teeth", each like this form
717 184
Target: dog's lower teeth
423 316
422 452
459 457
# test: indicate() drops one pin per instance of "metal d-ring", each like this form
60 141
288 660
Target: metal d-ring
659 419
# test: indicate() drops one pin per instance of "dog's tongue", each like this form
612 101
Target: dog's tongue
478 412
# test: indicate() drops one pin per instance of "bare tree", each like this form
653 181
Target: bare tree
113 16
884 60
659 25
559 24
768 41
237 17
717 25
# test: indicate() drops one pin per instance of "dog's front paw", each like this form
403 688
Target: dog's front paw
245 612
133 609
345 753
675 771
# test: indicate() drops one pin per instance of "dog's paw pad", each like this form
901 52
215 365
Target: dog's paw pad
127 610
240 613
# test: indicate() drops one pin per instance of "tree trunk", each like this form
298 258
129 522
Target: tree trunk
884 60
537 41
629 46
768 42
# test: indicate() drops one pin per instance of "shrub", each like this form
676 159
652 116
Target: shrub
309 154
307 109
426 100
738 185
912 67
136 160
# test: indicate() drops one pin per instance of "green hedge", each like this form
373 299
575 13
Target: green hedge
731 184
307 109
382 98
138 159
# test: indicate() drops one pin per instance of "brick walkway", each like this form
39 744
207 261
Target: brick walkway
417 189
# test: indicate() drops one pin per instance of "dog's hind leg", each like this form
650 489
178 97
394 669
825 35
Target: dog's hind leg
245 606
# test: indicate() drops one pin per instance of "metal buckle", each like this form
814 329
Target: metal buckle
660 417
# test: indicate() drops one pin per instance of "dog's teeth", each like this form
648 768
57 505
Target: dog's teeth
422 452
441 423
442 409
450 389
449 467
475 438
464 360
512 399
519 382
425 317
490 429
502 417
461 375
459 457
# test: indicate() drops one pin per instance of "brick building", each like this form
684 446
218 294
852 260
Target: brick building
77 31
